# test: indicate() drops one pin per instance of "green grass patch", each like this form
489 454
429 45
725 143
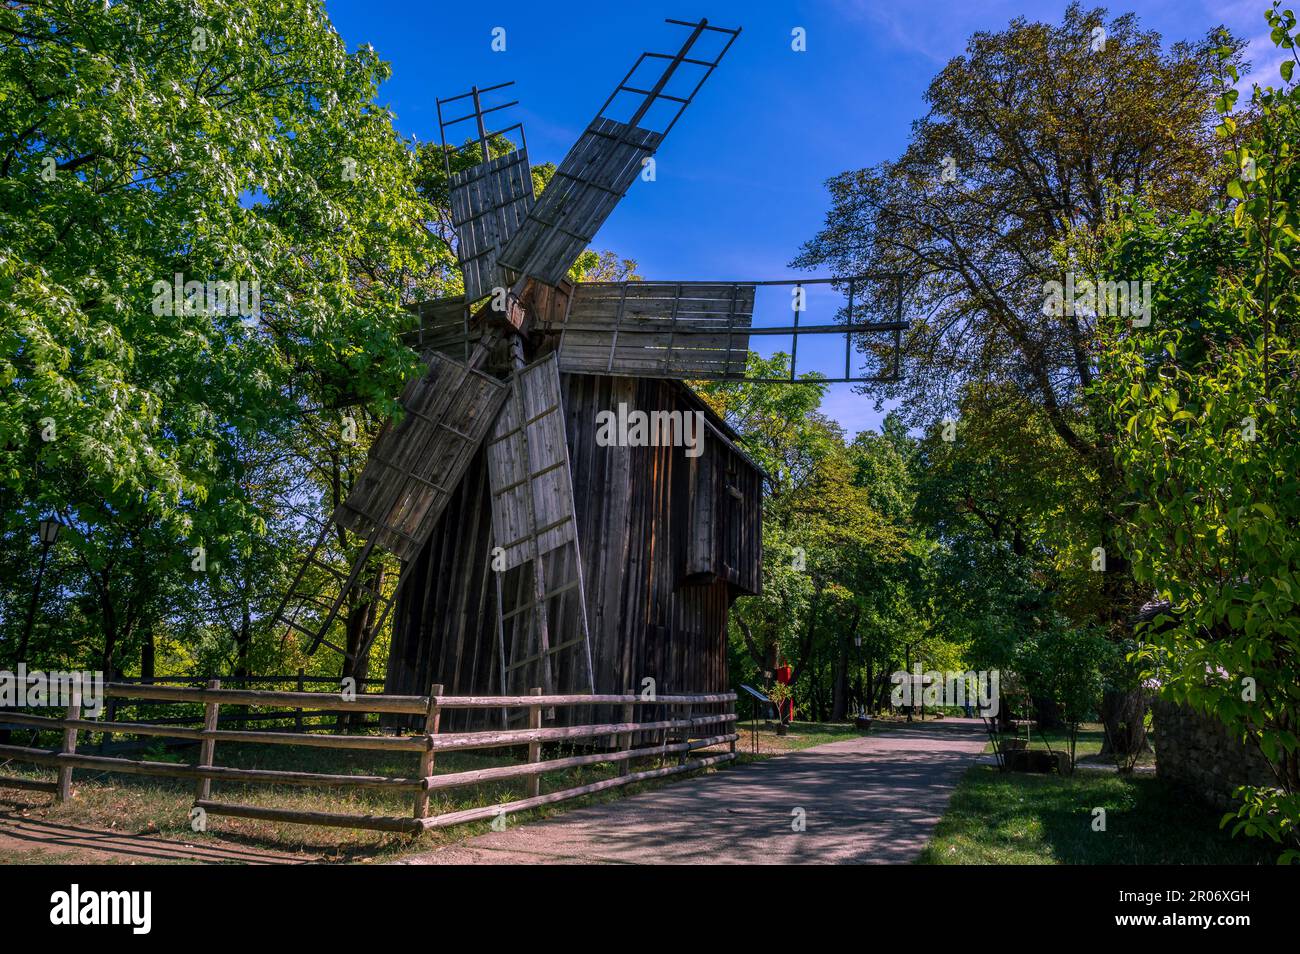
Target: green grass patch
1018 818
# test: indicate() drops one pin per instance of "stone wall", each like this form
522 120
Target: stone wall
1199 754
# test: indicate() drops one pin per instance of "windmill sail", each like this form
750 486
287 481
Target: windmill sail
410 473
595 174
602 165
490 200
684 330
542 612
414 467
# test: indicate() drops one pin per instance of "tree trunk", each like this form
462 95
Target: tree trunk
840 682
148 649
1123 714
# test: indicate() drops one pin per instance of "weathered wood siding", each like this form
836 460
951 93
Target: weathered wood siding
662 564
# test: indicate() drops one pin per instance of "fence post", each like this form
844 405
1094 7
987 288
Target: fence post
208 747
297 714
732 726
432 717
629 713
64 791
534 748
686 735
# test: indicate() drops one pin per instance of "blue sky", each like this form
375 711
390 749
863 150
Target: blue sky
739 182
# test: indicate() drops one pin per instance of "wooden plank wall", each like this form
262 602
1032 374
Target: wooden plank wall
637 512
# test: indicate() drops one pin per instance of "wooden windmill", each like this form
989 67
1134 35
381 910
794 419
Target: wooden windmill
494 358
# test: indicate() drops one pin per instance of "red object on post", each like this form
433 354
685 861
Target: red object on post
783 674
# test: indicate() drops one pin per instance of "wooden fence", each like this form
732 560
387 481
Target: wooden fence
678 736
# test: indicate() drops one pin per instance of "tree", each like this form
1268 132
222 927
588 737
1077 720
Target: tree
222 143
837 551
1026 139
1205 405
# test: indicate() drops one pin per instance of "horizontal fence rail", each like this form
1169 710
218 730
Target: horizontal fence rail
680 736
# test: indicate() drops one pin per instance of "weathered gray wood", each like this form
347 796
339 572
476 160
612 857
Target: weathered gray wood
591 179
490 811
461 741
532 495
376 743
625 740
431 720
73 714
656 329
535 748
101 725
496 702
657 604
259 697
208 747
414 466
489 202
525 769
329 819
105 763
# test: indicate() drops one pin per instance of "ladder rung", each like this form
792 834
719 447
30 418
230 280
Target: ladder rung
540 530
533 604
533 476
532 420
550 652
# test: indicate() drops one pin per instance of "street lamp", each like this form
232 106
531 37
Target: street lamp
49 532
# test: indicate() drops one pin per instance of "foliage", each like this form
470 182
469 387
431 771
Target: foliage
1206 407
845 595
219 141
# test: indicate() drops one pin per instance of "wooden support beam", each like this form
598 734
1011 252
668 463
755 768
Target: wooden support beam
208 747
491 811
534 748
431 719
64 790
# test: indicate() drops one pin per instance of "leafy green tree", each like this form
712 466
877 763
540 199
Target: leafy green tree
836 543
220 142
1205 404
1026 139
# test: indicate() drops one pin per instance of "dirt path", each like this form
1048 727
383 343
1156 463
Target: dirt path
27 838
870 799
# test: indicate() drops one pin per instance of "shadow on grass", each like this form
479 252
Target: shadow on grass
1015 818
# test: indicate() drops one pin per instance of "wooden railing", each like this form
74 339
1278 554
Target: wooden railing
692 732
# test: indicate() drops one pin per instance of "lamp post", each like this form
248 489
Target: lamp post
49 532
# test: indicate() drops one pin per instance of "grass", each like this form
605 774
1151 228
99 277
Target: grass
1020 818
799 735
145 805
1087 748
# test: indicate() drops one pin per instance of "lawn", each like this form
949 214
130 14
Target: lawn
1021 818
799 735
1087 747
